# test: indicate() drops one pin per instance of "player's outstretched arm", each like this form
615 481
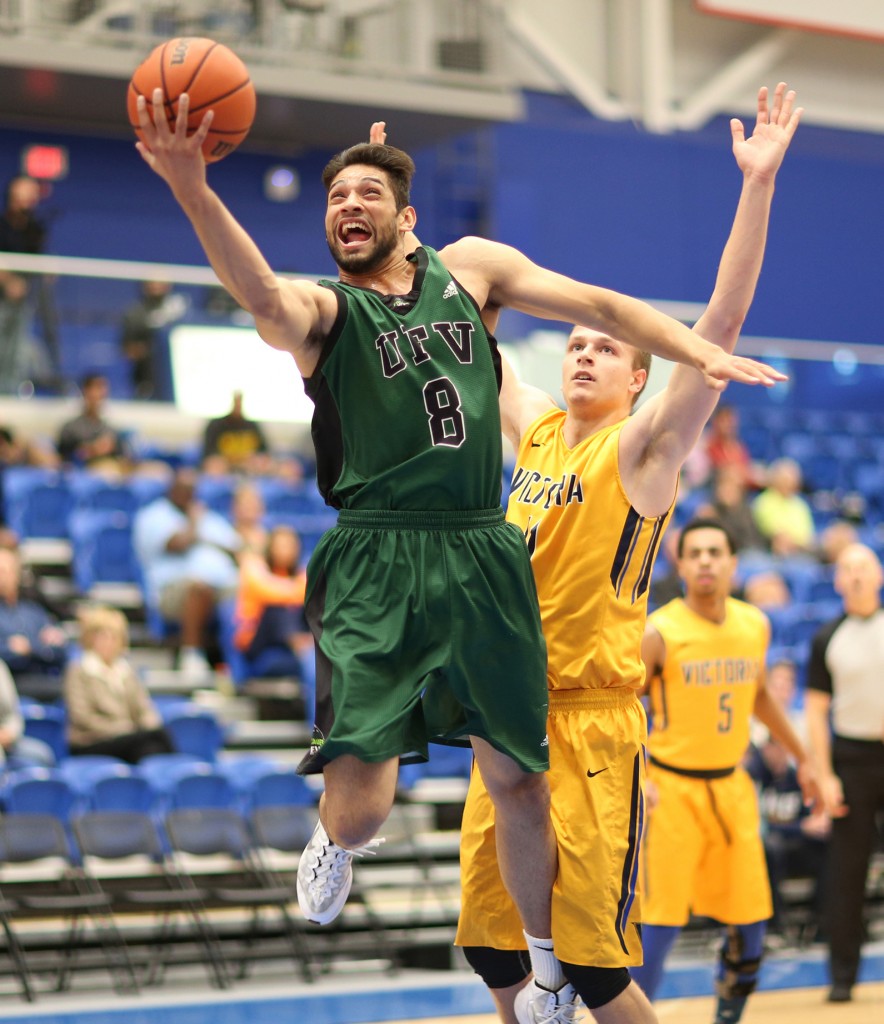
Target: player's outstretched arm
507 278
672 422
286 313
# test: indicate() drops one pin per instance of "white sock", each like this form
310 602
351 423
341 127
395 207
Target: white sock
545 964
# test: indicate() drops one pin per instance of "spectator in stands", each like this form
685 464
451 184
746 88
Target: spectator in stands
782 514
767 590
844 680
21 231
31 642
726 449
834 538
109 708
16 749
234 444
247 512
143 337
795 838
187 554
270 626
18 451
730 506
88 439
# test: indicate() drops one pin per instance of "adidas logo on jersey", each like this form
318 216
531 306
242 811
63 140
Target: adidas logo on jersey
450 290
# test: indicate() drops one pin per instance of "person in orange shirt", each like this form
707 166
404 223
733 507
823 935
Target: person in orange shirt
270 603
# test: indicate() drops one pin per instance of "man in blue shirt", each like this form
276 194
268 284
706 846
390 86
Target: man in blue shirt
32 643
187 554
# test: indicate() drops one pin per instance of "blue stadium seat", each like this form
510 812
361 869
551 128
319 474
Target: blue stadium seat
80 772
47 722
39 791
102 549
196 731
203 786
120 788
216 493
37 502
280 787
161 770
97 493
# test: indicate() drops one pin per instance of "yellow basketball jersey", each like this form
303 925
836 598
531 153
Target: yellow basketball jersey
591 553
702 703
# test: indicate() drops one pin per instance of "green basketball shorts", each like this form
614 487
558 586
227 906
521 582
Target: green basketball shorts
427 629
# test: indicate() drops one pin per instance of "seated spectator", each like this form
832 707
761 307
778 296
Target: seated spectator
782 514
270 605
187 555
726 449
88 439
109 709
143 341
834 538
730 506
795 838
17 451
767 589
32 643
234 444
247 513
16 749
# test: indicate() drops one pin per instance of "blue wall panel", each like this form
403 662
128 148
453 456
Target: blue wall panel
604 202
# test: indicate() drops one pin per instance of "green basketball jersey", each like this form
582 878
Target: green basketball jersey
406 398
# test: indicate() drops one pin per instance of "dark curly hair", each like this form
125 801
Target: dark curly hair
397 164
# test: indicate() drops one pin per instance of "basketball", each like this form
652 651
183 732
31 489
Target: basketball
212 76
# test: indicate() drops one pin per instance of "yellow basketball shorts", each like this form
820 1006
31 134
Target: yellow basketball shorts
596 751
703 851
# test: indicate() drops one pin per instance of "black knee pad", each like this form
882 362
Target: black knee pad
597 986
738 974
498 968
738 979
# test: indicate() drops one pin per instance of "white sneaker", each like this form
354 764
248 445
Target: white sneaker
325 874
536 1005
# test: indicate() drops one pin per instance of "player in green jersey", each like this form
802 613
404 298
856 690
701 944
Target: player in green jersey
421 599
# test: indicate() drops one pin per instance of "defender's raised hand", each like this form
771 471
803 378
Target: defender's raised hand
762 153
378 134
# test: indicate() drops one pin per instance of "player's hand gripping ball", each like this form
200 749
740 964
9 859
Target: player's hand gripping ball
213 77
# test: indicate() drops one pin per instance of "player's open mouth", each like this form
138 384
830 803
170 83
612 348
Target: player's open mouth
583 376
354 232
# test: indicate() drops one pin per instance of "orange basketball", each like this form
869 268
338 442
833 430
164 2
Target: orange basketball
212 76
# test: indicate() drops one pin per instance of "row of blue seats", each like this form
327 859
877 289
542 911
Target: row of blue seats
164 782
158 784
194 729
783 418
40 502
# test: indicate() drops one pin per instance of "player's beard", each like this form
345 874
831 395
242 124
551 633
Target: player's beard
364 262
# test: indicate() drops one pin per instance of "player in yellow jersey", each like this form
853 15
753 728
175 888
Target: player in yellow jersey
705 673
592 491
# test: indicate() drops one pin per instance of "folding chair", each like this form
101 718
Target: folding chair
16 954
195 731
111 835
246 881
31 838
281 813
